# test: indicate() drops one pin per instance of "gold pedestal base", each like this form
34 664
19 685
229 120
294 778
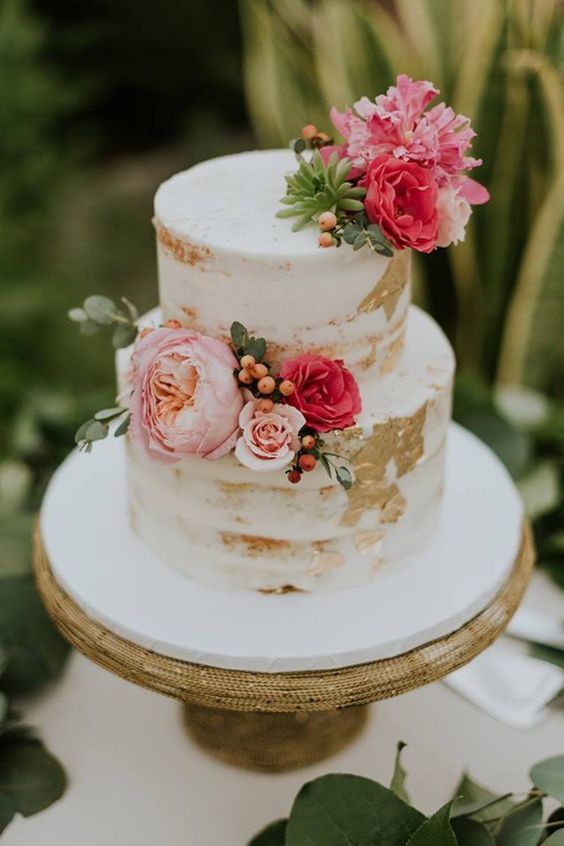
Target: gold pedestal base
273 742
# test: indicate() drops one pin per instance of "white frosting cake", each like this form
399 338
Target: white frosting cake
224 256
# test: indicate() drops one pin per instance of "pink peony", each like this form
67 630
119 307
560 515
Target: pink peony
324 391
398 124
454 212
402 198
269 440
185 400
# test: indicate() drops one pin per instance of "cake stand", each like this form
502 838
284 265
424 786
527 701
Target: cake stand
278 681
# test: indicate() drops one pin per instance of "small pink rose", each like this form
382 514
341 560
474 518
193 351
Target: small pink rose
454 213
402 198
269 440
324 391
185 400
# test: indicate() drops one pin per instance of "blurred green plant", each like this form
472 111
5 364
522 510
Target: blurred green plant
349 810
499 295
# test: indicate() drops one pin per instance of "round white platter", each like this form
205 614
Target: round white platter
97 559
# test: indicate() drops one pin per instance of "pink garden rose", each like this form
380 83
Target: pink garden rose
269 440
454 213
185 400
324 391
401 197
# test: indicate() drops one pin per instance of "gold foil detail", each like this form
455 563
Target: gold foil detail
389 287
392 356
366 541
182 249
399 440
255 545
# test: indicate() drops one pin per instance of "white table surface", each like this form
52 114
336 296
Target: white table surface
136 780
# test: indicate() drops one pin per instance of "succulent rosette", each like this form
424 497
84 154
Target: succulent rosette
185 400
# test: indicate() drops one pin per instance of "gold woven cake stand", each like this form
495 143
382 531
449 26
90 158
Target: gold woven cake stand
280 721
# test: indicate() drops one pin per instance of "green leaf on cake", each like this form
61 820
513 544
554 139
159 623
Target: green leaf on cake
123 335
100 309
340 810
256 347
123 426
239 335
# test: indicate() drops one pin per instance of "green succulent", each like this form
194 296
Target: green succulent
317 187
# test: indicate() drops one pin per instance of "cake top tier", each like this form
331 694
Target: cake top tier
230 203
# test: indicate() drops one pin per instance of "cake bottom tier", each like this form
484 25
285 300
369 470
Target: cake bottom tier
223 525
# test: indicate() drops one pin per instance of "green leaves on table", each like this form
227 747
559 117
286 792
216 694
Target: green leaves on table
349 810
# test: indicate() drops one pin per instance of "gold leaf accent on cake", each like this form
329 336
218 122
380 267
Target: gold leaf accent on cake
182 249
367 541
392 355
389 287
399 440
255 545
325 559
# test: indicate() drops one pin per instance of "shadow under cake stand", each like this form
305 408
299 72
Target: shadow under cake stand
279 681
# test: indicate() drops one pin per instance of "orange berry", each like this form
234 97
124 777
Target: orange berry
308 442
286 388
321 138
325 240
248 361
144 332
327 221
266 385
173 324
265 405
309 131
307 462
294 476
245 377
259 371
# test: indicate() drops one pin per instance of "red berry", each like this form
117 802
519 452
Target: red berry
307 462
294 476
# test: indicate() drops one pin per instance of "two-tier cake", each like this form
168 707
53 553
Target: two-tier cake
289 407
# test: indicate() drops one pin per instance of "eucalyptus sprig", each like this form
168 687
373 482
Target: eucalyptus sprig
97 428
98 313
473 817
358 231
311 452
317 187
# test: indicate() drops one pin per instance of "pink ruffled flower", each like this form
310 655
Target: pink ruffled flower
185 400
401 197
269 440
324 391
454 212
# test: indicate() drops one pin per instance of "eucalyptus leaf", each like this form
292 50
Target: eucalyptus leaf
473 799
123 426
436 831
78 315
80 434
256 347
299 146
340 810
123 335
399 775
100 309
469 832
88 327
30 776
351 232
96 431
360 241
522 826
34 649
133 312
108 413
555 839
548 776
7 811
272 835
344 477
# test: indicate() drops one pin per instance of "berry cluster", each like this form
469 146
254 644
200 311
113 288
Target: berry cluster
306 457
255 372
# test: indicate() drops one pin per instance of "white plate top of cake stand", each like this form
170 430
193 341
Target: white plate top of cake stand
98 560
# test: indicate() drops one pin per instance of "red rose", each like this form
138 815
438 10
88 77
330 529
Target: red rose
402 198
324 391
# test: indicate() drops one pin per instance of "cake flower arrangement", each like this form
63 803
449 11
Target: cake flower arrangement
399 179
192 395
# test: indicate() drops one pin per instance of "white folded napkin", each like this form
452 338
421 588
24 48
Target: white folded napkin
509 685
